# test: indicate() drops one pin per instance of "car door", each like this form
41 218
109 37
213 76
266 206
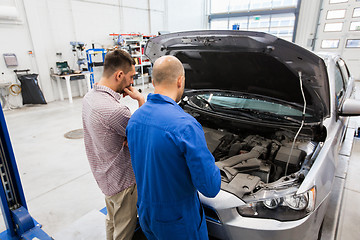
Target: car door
343 90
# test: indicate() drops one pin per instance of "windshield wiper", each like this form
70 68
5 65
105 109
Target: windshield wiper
255 114
222 109
243 112
207 103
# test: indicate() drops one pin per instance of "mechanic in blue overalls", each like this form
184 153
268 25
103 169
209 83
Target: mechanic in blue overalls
170 159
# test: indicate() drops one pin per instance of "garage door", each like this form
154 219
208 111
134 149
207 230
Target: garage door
339 31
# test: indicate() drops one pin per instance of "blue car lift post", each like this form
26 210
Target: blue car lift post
19 223
92 64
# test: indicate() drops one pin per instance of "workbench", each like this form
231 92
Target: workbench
67 78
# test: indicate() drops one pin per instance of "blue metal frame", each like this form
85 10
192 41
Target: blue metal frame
90 62
9 155
19 223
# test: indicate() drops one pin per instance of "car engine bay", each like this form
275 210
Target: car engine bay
250 162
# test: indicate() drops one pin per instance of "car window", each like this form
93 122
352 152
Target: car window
339 84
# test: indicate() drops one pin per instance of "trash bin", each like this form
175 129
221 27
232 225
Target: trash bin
30 90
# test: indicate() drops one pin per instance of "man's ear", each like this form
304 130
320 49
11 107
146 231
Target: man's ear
119 75
152 81
179 81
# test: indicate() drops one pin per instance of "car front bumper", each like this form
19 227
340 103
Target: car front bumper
234 226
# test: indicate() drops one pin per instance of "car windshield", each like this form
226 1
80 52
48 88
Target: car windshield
231 102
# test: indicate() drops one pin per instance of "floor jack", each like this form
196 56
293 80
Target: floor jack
18 221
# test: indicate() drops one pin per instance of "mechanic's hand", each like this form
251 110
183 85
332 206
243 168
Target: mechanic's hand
134 94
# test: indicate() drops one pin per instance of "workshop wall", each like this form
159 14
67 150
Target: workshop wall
187 15
15 38
46 27
307 23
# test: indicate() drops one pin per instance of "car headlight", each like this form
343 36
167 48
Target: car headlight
287 208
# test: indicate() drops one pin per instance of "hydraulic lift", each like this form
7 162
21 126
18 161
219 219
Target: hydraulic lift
19 223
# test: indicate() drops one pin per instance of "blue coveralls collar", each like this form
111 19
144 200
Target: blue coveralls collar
163 98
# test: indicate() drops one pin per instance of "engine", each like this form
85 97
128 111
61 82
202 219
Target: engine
249 161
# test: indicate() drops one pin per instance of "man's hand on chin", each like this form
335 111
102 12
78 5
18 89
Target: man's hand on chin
134 94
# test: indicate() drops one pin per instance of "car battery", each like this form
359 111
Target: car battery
296 158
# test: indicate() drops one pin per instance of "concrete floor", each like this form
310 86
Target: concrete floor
63 196
349 220
58 184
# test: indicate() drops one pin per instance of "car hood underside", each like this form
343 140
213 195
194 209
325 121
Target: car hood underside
248 62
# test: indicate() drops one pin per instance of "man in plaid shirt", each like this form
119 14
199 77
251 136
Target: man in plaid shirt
104 121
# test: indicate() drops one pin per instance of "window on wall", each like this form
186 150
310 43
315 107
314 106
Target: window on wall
338 1
241 21
356 12
259 23
236 5
330 43
355 26
219 6
353 43
260 4
284 3
219 24
223 6
255 15
282 20
333 27
282 25
335 14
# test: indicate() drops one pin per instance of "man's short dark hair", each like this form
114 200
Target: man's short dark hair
117 60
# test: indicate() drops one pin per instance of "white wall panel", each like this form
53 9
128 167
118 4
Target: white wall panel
15 38
157 22
20 47
136 21
307 23
62 30
157 5
94 22
109 2
46 27
186 15
143 4
40 32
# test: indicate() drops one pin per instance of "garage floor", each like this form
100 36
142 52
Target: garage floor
63 196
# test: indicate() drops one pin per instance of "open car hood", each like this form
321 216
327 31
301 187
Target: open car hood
248 62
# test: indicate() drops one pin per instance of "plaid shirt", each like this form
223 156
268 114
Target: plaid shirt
104 122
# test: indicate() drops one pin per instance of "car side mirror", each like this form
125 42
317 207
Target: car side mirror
351 107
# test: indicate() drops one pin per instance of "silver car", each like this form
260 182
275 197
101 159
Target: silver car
274 116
